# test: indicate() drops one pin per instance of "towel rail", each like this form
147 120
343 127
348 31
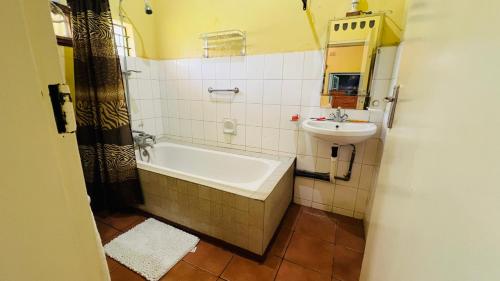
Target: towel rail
212 90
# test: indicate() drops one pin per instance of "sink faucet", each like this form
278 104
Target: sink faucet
338 116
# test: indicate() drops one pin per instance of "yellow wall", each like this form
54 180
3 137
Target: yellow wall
272 26
144 26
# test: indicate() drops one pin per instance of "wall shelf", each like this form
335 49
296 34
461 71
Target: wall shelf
223 43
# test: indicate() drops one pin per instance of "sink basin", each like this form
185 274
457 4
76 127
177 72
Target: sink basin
339 132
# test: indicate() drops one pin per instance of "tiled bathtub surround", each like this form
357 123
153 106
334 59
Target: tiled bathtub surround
272 87
248 222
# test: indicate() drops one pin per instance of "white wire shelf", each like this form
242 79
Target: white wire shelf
226 42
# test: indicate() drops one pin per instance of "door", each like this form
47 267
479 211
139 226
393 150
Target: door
47 231
436 207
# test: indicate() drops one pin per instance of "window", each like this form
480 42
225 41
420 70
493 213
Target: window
124 39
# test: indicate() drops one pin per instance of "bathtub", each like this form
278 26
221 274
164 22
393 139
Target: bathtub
209 167
236 196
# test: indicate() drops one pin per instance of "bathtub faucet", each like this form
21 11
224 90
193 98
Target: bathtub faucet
141 139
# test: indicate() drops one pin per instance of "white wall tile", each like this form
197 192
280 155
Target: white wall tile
254 91
291 92
286 116
144 89
195 71
323 192
253 114
240 137
255 67
293 65
173 126
307 145
172 108
185 128
197 110
306 163
311 92
223 68
155 89
304 188
157 108
313 65
254 136
272 91
242 86
270 139
365 179
273 66
288 141
195 89
210 129
209 111
238 112
361 201
208 68
170 69
182 69
172 89
344 197
223 111
197 129
147 109
184 107
271 115
238 67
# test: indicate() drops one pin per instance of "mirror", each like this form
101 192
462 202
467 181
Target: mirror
349 58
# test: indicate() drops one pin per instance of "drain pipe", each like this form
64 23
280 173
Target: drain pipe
331 177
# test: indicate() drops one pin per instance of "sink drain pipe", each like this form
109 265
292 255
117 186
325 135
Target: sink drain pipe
331 177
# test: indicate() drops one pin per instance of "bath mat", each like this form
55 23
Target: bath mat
151 248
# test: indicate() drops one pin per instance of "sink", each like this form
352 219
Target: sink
339 132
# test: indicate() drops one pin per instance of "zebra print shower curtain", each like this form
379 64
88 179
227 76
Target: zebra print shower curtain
103 129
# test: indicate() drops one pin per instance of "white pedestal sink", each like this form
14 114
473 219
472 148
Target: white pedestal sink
340 133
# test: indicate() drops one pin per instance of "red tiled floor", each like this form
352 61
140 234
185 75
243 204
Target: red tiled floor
106 232
351 236
317 225
311 253
121 273
243 269
281 242
291 216
183 271
292 272
122 221
209 257
346 264
304 239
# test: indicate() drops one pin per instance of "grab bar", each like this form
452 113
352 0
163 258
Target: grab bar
235 90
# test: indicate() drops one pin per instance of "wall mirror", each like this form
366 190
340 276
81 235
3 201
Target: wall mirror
349 59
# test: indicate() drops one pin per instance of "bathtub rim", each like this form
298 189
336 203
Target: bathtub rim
260 194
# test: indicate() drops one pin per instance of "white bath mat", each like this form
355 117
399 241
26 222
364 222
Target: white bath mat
151 248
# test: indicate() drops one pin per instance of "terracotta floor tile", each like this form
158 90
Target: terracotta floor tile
183 271
243 269
318 226
310 252
112 264
209 257
291 272
122 273
106 232
281 242
346 264
122 221
291 216
350 236
318 212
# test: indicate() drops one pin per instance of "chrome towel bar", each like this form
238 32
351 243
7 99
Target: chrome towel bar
235 90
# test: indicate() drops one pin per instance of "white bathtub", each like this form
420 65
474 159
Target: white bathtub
209 167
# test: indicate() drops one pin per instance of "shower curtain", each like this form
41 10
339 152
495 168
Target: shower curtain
103 129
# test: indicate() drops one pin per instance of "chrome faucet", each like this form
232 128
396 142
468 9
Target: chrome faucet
338 116
141 141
